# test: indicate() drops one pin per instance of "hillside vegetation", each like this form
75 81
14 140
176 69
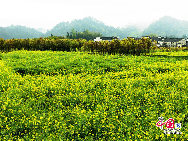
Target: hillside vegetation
74 95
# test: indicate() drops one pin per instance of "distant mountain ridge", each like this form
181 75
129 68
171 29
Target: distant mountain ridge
165 26
94 25
168 26
19 32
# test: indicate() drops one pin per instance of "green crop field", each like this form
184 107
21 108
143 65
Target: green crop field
79 96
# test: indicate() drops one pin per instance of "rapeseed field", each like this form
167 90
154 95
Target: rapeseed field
56 95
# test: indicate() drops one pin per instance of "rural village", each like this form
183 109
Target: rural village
160 41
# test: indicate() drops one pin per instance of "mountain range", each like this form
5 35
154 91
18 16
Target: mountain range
165 26
19 32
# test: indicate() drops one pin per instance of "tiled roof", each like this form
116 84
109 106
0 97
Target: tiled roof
108 38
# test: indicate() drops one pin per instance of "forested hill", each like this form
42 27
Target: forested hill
94 25
19 32
168 26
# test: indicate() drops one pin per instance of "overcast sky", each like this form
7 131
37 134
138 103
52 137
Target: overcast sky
118 13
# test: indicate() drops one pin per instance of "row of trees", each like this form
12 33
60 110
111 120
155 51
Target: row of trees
125 46
41 44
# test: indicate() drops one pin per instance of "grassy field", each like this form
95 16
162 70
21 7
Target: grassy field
74 95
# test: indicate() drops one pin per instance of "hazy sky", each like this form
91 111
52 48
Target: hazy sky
118 13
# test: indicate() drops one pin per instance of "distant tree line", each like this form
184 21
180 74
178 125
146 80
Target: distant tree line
88 35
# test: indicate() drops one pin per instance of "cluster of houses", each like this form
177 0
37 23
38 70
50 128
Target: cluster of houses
159 41
170 42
